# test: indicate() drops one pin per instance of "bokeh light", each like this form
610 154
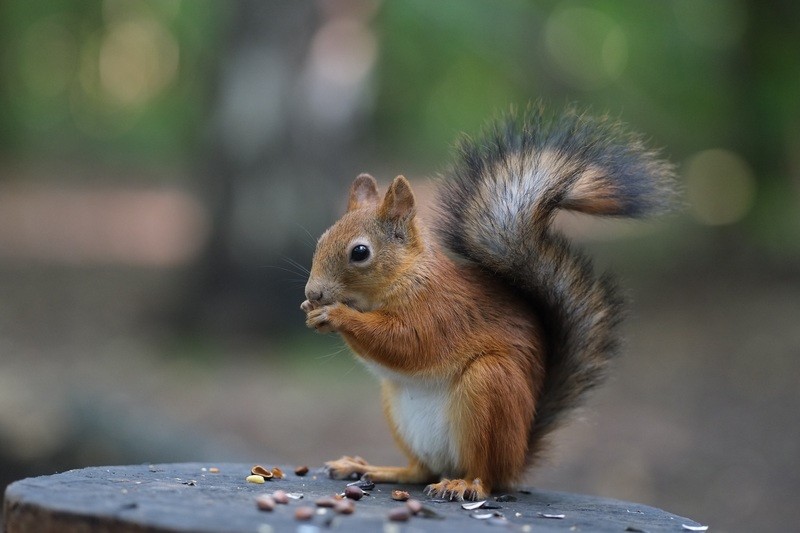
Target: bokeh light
137 59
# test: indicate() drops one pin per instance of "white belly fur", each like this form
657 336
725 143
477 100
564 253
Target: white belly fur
419 409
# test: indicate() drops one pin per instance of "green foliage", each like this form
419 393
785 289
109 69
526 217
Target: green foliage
120 79
106 78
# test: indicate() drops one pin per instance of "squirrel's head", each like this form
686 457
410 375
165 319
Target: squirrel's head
358 259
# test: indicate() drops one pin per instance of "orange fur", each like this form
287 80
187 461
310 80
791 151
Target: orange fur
418 314
474 379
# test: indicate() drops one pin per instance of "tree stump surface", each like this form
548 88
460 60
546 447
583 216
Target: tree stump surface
193 497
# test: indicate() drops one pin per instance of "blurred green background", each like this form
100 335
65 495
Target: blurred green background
166 166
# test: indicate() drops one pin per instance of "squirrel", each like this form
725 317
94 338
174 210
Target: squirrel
486 329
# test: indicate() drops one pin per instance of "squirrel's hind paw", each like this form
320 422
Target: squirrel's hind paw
457 489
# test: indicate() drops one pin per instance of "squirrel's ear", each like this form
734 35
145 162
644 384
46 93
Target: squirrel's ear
363 192
398 204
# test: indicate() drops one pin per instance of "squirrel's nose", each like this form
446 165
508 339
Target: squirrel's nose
314 291
313 295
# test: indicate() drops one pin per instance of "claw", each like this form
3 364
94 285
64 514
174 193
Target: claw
457 489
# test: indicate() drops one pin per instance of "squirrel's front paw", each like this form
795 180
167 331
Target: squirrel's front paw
346 467
322 318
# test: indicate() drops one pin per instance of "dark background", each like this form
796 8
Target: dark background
165 168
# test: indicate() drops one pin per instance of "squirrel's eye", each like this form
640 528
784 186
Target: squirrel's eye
359 253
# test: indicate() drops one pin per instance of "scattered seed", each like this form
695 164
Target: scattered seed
400 495
214 470
301 470
694 528
353 492
294 495
259 470
304 513
254 478
399 514
473 505
634 529
325 502
281 497
414 506
482 516
506 498
555 516
278 473
363 484
265 502
344 507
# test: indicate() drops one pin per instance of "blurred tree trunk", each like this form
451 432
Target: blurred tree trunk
273 170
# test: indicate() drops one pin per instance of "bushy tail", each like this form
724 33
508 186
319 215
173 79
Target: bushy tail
496 209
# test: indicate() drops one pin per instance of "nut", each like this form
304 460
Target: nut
280 497
259 470
301 470
414 506
325 502
353 492
254 478
344 507
278 473
265 502
400 495
304 512
399 514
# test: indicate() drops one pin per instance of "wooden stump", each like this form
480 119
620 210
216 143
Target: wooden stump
195 497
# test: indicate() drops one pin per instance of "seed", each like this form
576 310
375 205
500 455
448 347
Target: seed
301 470
214 470
304 513
265 502
325 502
399 514
259 470
280 497
414 506
473 505
254 479
353 492
365 483
344 507
278 473
400 495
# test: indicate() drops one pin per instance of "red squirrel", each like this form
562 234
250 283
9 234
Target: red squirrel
488 328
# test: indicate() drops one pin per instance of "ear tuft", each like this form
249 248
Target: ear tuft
363 192
398 204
